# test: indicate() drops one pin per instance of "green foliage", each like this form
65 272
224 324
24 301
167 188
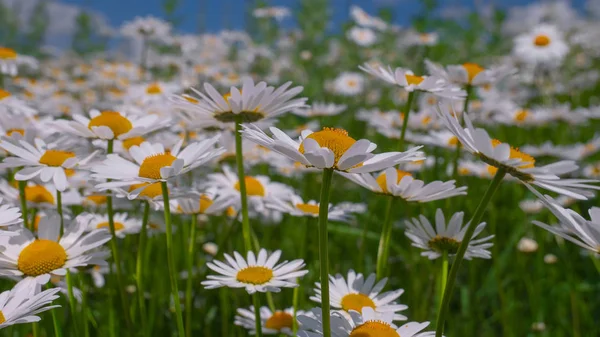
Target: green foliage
85 40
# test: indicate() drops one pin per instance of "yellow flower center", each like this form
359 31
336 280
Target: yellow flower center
382 180
152 191
253 187
255 275
426 120
527 161
97 199
118 226
151 165
472 70
280 320
337 140
453 141
7 53
10 132
413 79
55 157
2 318
4 94
41 257
521 115
129 142
205 202
463 171
442 243
542 40
308 208
352 83
113 120
356 302
153 89
374 329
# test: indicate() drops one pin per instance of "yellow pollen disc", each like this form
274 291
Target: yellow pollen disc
426 120
55 157
2 318
356 302
414 80
280 320
382 180
129 142
4 94
424 37
151 165
463 171
113 120
153 89
541 40
231 212
337 140
253 187
308 208
41 257
352 83
152 191
118 226
205 202
472 70
97 199
255 275
527 160
7 53
453 141
521 115
10 132
374 329
38 194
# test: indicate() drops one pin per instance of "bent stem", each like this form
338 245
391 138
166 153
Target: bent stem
139 265
384 241
323 249
171 260
258 321
462 249
239 158
411 97
23 198
468 89
190 278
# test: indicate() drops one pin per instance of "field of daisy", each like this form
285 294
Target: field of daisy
372 180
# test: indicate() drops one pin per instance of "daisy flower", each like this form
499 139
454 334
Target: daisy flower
363 37
367 323
251 103
38 257
330 148
294 205
401 184
48 161
110 125
208 202
11 104
349 84
276 12
256 273
153 164
356 292
469 73
421 38
21 304
272 323
446 237
362 18
39 196
543 45
516 163
10 61
124 224
146 28
318 109
9 215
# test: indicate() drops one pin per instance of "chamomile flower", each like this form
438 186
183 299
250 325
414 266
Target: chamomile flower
272 323
294 205
10 61
414 38
349 84
22 303
330 148
39 256
363 37
124 224
208 202
469 73
15 106
146 28
256 273
318 109
251 103
356 292
543 45
446 236
48 161
366 323
362 18
154 164
516 163
39 196
401 184
9 215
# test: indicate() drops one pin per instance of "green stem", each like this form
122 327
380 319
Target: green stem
60 212
72 302
35 325
239 158
323 249
190 278
56 323
171 260
596 261
270 302
384 241
468 89
460 254
139 266
301 253
411 97
443 277
258 325
84 307
23 198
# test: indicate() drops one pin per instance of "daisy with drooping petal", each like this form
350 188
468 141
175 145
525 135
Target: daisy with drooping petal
22 303
367 323
39 256
330 148
514 162
153 164
294 205
356 292
272 323
124 224
318 109
446 237
543 45
469 73
9 215
256 273
48 161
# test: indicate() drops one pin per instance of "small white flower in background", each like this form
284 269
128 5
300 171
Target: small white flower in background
527 245
277 12
362 18
294 205
414 38
538 326
362 36
349 84
255 273
317 109
544 45
446 237
469 73
10 61
23 302
9 215
124 224
272 323
550 259
146 28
